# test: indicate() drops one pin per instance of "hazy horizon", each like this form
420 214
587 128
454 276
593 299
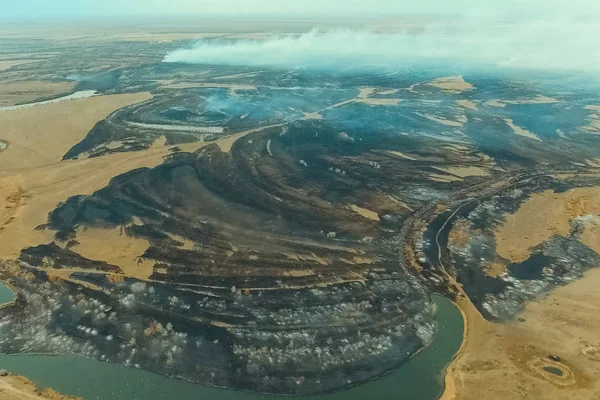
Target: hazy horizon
42 9
551 35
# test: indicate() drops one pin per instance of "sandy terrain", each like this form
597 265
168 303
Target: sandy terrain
505 361
444 178
460 121
226 143
232 87
528 227
460 233
33 180
495 103
463 172
539 99
116 248
467 104
365 212
14 387
7 64
379 102
12 93
453 84
365 92
400 154
42 135
234 76
309 116
591 233
594 121
520 131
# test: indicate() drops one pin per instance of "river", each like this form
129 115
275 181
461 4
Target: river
6 294
421 378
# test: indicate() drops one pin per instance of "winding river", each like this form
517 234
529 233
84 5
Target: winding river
421 378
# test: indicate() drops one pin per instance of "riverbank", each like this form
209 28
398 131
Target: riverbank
14 387
510 360
8 294
421 378
452 374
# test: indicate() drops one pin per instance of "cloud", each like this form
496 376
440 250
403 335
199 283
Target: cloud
550 42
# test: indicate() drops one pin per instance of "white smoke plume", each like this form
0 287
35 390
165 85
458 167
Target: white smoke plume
551 43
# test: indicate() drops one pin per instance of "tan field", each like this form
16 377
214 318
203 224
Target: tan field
33 180
444 178
365 212
42 135
115 247
460 121
520 131
506 360
379 102
467 104
594 120
400 154
526 228
231 87
12 93
451 84
19 388
315 116
463 172
7 64
539 99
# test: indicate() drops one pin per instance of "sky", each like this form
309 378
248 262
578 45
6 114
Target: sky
527 34
95 8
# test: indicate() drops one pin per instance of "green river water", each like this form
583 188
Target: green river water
421 378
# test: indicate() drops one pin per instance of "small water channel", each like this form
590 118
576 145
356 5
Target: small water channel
77 95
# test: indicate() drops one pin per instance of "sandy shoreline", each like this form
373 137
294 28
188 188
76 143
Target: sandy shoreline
450 390
501 361
15 387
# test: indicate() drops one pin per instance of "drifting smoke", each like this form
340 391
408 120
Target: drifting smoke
549 44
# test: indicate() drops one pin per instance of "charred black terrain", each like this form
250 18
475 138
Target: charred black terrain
300 220
261 266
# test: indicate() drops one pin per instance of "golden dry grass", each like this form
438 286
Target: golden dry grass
453 84
33 181
369 214
541 216
521 131
15 387
12 93
116 248
500 361
400 154
42 135
463 172
467 104
7 64
444 178
379 101
539 99
460 120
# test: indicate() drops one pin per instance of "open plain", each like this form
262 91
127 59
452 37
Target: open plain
283 230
